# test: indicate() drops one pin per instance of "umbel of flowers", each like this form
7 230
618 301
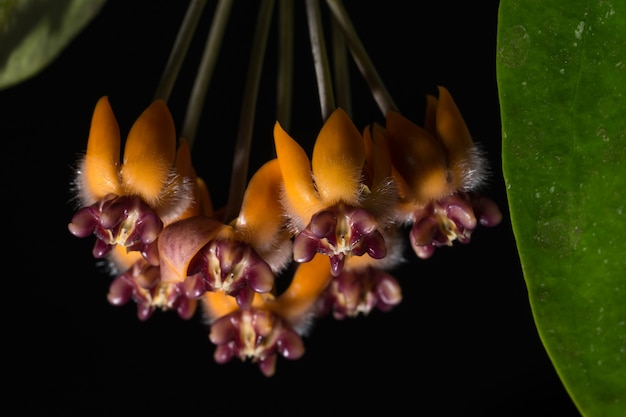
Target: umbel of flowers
341 216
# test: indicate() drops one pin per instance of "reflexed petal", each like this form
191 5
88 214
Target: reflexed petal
180 198
297 302
149 153
218 304
405 193
430 118
418 158
261 220
379 157
102 160
203 198
302 199
368 167
451 128
338 158
183 162
466 162
384 198
122 258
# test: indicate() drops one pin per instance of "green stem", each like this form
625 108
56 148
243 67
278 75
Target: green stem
361 58
239 174
284 82
205 70
320 59
341 68
179 50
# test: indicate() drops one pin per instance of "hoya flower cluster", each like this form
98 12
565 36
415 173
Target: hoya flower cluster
326 227
341 216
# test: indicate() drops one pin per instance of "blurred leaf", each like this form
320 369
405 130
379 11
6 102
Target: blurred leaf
561 69
34 32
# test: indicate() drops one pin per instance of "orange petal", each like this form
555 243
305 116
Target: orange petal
217 304
430 119
368 167
261 221
186 172
102 159
177 200
183 164
451 128
302 199
338 158
180 242
309 281
418 157
149 153
467 164
261 217
122 258
404 190
202 199
381 158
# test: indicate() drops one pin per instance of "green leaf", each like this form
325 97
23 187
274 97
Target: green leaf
561 69
34 32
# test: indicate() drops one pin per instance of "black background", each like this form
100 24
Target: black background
462 342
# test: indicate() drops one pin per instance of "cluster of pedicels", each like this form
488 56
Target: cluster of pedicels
339 217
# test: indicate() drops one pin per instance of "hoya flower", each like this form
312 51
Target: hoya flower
336 203
141 284
451 218
127 201
274 324
438 170
240 258
356 292
256 334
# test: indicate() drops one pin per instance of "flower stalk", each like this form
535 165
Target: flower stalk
239 173
320 58
284 77
377 87
179 50
205 71
340 68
